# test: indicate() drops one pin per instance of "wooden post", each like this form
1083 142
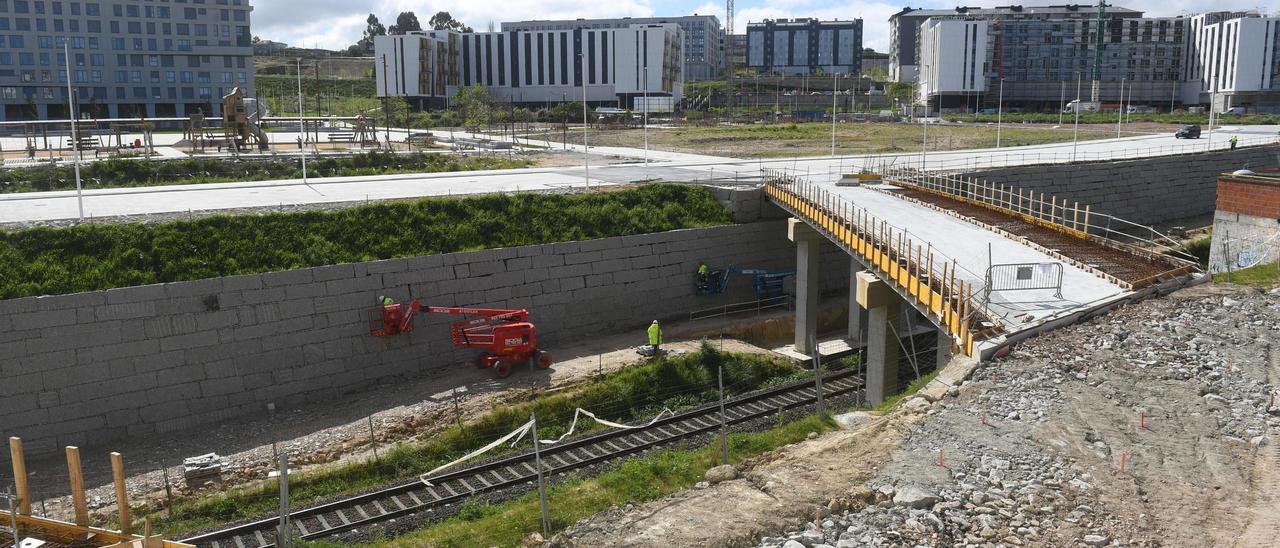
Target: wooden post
20 475
1086 218
1075 216
76 473
122 493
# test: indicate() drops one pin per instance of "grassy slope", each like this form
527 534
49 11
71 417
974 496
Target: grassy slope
1265 276
50 261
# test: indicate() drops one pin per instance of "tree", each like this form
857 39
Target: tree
373 29
475 103
444 21
406 22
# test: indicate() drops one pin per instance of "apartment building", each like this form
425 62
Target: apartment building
1235 61
128 58
534 67
805 46
904 27
704 45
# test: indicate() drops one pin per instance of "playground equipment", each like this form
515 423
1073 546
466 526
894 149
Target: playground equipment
506 336
239 128
767 283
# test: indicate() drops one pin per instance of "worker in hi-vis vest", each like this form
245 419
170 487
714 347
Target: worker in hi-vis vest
655 336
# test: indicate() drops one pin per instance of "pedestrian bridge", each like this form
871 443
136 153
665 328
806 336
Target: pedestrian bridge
987 264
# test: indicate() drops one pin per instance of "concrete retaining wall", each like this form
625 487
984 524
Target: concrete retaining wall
92 368
1149 191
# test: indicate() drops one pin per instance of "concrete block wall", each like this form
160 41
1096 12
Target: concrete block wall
92 368
1147 191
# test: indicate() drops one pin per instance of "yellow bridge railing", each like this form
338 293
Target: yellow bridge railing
926 277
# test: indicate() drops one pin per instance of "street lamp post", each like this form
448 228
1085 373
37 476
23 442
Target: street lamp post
1000 113
302 141
1120 113
1075 131
586 150
646 120
75 136
834 97
386 95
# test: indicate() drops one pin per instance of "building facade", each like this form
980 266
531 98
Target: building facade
805 46
904 27
128 58
704 41
534 67
1040 63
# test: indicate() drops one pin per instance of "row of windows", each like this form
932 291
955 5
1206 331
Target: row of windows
131 27
123 60
100 93
94 9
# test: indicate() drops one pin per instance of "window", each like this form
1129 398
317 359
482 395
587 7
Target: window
117 44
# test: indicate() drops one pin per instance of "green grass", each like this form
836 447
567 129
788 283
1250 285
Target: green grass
51 261
911 389
639 480
1264 275
630 394
124 173
1196 248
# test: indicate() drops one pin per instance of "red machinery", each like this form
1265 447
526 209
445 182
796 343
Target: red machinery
507 337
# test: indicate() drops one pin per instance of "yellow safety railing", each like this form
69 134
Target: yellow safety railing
925 276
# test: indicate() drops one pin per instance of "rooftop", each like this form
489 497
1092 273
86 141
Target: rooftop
1063 9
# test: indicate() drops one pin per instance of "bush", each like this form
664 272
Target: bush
117 173
51 261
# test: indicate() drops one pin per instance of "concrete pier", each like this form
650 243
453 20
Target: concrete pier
883 315
808 282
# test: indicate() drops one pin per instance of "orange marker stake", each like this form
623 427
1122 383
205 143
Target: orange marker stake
984 418
1142 421
1124 458
942 461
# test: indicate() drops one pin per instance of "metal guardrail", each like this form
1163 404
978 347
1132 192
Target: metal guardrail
783 302
923 275
972 162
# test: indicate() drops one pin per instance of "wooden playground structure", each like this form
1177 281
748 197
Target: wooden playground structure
54 533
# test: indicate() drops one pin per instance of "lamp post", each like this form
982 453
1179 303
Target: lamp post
1062 100
1075 131
386 94
646 120
1000 113
1120 112
586 150
834 97
302 141
75 136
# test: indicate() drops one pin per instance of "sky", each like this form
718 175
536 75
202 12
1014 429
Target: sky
336 24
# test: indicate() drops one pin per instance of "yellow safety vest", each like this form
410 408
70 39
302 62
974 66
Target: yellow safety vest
655 334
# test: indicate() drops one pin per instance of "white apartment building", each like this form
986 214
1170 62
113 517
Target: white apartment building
534 67
952 58
1235 61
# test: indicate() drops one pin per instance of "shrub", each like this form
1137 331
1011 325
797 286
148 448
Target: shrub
50 261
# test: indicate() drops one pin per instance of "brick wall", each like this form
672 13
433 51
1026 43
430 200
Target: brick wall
1147 191
93 368
1249 197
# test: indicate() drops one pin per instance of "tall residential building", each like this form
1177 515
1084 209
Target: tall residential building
533 67
805 46
904 27
737 50
1229 59
128 58
704 41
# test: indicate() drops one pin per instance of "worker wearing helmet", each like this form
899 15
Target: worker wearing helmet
702 275
387 301
655 336
1234 141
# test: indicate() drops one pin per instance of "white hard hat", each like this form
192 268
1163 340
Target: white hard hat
655 321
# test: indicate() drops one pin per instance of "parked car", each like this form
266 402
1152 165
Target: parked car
1188 132
1234 110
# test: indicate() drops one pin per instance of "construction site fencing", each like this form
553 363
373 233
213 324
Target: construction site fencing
967 161
1059 214
1023 277
782 302
929 279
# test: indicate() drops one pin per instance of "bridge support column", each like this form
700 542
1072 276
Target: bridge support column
808 250
857 315
883 317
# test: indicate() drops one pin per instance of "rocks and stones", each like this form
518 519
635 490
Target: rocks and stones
912 496
724 472
1096 540
203 469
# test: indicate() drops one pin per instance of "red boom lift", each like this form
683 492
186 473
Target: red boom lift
507 337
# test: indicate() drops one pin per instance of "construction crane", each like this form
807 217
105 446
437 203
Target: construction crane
1096 88
506 337
728 37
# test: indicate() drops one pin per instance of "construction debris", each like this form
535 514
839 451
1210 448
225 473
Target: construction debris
202 470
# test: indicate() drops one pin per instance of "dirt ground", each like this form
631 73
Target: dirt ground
1154 425
339 432
811 139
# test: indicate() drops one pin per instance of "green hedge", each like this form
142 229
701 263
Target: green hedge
117 173
50 261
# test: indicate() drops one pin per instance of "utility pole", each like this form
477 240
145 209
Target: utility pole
1075 132
586 150
1000 113
834 97
646 118
284 535
1120 113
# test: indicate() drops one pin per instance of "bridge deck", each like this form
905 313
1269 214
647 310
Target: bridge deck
1128 267
968 244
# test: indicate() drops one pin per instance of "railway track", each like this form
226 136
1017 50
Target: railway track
454 487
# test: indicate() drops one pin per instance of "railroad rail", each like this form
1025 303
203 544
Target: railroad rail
408 498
